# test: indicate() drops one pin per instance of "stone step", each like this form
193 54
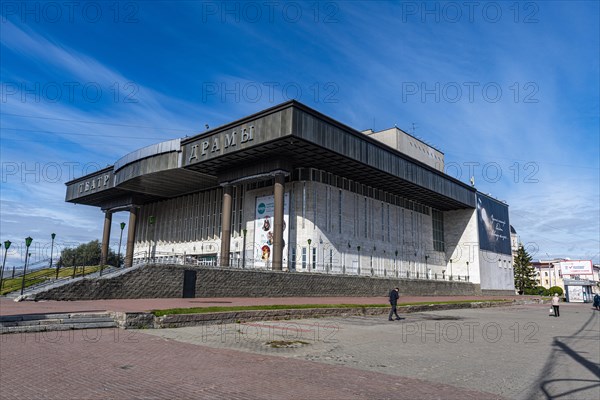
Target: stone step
55 322
30 317
56 327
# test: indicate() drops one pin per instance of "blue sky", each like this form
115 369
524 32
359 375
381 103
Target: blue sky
509 91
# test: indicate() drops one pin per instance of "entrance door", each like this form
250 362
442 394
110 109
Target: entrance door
189 284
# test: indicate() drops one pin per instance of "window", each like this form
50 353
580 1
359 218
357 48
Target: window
293 259
314 188
437 218
330 257
314 257
340 212
303 203
365 220
304 258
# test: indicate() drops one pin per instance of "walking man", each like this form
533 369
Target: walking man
555 301
394 303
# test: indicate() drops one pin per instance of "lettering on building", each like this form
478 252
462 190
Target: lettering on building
99 182
224 140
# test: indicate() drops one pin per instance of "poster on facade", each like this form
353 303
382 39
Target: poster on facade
577 267
263 230
575 294
494 228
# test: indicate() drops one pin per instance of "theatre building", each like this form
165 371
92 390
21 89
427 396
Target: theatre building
290 189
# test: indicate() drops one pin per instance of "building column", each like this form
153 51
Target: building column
278 222
105 237
226 226
130 237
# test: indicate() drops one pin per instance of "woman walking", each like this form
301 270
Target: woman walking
555 301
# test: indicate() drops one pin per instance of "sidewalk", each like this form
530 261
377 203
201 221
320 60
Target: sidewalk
10 307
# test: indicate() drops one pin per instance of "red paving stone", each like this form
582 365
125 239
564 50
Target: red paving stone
117 364
10 307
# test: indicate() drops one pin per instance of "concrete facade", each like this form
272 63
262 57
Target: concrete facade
410 145
353 203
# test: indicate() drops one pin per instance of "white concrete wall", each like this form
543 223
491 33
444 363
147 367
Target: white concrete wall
462 245
409 145
496 271
336 240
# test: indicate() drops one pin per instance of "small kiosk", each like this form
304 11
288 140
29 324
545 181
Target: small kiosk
578 291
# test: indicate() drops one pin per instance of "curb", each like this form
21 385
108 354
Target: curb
149 321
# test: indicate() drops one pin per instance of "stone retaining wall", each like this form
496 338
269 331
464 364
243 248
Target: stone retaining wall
166 281
148 320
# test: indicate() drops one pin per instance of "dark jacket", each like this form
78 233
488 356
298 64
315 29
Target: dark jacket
394 297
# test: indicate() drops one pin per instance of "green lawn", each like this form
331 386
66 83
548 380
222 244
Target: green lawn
41 275
203 310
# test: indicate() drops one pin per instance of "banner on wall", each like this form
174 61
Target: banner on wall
263 230
493 225
577 267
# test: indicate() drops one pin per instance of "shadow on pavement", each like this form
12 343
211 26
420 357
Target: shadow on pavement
558 381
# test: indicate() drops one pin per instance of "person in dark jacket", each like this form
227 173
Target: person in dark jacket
394 296
597 301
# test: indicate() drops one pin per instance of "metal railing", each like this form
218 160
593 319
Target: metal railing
34 280
299 267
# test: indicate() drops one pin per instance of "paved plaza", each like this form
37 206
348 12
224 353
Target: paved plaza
494 353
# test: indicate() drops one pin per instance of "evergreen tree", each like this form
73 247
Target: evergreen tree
524 271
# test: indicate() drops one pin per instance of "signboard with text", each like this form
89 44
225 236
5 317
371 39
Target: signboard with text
577 267
493 225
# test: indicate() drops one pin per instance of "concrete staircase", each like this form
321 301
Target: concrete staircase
55 322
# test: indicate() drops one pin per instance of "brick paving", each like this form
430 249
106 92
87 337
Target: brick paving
112 363
10 307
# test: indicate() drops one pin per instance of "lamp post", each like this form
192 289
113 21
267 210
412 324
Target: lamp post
468 273
396 262
323 251
426 270
74 268
28 241
120 240
6 246
53 235
450 269
309 255
244 231
151 221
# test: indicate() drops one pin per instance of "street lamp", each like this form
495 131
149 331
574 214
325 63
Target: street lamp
28 241
120 240
244 231
426 271
53 235
6 246
323 250
309 256
396 262
468 273
450 269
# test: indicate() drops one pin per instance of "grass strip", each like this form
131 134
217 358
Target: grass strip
41 275
205 310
